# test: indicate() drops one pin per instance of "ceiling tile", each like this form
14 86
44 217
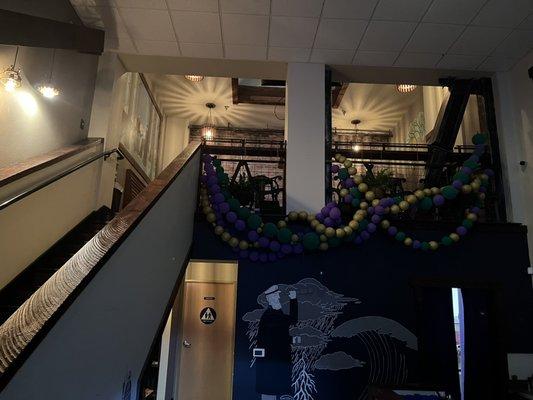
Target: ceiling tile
386 35
433 38
106 18
92 3
122 45
418 60
327 56
479 40
245 29
339 33
148 24
148 4
358 9
292 31
527 23
193 5
375 58
157 47
516 45
503 13
460 61
201 50
239 52
257 7
405 10
288 54
497 63
297 8
453 11
196 27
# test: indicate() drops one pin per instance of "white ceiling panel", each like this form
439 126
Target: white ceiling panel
256 7
289 54
386 35
479 40
516 45
378 58
239 52
197 27
356 9
147 4
297 8
527 23
503 13
453 11
193 5
148 24
120 44
405 10
249 30
460 61
418 60
332 56
433 38
339 33
201 50
497 63
157 47
103 18
292 31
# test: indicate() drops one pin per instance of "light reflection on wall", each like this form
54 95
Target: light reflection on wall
27 102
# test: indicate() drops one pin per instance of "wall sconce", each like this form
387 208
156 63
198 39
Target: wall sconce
48 89
10 77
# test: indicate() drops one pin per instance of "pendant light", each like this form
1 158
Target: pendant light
10 77
209 130
403 88
47 89
194 78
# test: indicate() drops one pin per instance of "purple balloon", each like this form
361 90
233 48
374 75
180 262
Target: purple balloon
335 213
466 170
416 244
243 254
286 248
231 217
334 168
298 248
214 188
221 222
223 207
370 210
348 198
482 189
379 210
240 225
365 235
461 230
489 172
358 240
320 217
263 257
263 241
331 204
457 184
253 236
438 200
475 210
275 246
211 180
218 198
324 211
272 257
371 227
203 178
349 183
207 157
254 256
392 230
329 222
376 219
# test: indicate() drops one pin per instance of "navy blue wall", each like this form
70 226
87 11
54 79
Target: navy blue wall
381 275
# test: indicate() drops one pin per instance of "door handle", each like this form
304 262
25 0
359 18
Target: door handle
186 344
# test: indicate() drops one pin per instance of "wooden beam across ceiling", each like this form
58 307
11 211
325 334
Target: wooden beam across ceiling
257 94
337 95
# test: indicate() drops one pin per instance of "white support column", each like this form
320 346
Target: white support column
305 133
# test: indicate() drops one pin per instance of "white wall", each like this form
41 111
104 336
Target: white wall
108 330
31 124
305 134
514 108
175 139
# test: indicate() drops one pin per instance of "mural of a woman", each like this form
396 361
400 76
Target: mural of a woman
273 370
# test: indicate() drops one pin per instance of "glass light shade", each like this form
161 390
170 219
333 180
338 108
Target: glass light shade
48 91
403 88
356 147
11 79
208 132
194 78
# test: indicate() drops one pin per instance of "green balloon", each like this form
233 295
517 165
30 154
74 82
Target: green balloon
217 162
311 241
398 199
461 176
424 246
334 241
471 164
356 202
479 138
343 174
270 230
220 175
446 241
219 169
400 236
243 213
254 221
234 204
467 223
284 235
449 192
362 225
355 192
426 204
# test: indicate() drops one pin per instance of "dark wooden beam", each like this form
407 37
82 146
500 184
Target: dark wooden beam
26 30
235 90
274 96
338 94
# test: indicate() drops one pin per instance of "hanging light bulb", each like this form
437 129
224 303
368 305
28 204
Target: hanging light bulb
208 131
47 89
10 77
356 148
403 88
194 78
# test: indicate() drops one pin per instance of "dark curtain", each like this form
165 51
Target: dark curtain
436 339
482 352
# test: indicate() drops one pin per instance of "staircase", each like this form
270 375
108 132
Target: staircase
28 281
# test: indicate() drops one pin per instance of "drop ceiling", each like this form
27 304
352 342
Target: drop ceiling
486 35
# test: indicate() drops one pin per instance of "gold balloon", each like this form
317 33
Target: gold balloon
205 203
323 238
226 236
472 217
243 244
385 224
466 189
211 217
342 159
338 156
363 205
320 228
352 171
481 196
419 194
435 190
394 209
330 232
411 199
340 233
475 186
375 202
344 192
358 179
433 245
219 230
408 241
311 217
404 205
323 246
303 215
369 195
315 223
234 242
260 230
348 230
293 216
484 177
295 238
427 192
207 210
282 224
455 237
348 163
358 217
353 224
363 187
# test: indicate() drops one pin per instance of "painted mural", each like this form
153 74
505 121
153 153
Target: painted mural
299 334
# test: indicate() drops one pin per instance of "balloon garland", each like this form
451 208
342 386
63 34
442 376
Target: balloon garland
246 233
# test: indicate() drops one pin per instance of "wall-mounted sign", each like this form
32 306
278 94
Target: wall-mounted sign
208 315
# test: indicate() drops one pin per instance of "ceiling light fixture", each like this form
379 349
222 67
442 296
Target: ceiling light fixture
194 78
356 148
209 130
404 88
47 89
10 78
